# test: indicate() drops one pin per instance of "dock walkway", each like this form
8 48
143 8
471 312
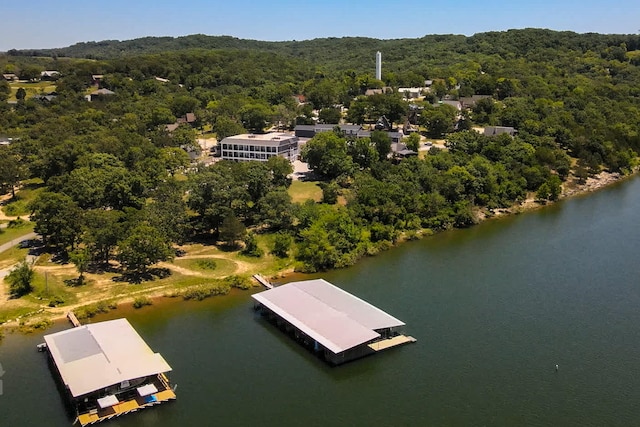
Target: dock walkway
264 282
125 408
73 319
391 342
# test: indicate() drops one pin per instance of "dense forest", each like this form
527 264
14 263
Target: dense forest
120 186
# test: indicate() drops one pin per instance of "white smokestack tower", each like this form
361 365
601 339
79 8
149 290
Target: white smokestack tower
378 66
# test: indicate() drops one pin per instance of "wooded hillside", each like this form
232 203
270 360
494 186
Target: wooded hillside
117 179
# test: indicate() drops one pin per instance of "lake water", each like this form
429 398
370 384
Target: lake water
494 309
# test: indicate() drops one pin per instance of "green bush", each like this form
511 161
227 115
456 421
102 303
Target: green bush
56 301
207 264
88 311
20 280
251 247
201 292
140 302
16 223
239 282
282 244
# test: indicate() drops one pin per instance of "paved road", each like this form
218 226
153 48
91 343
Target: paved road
17 240
9 245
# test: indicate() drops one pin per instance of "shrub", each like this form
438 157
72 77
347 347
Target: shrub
20 280
207 264
251 247
201 292
281 245
16 223
140 302
56 301
239 282
88 311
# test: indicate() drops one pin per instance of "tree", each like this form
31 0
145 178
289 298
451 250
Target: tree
5 90
439 120
543 192
101 232
282 244
255 117
330 115
280 169
362 152
20 279
144 246
413 142
276 210
555 187
58 219
251 247
330 192
225 126
81 259
12 170
232 230
183 104
167 212
326 154
382 143
174 159
21 94
30 72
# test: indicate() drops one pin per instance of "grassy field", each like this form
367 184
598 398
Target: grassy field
31 88
305 190
211 266
20 205
9 234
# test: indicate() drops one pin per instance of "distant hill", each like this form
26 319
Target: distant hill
333 51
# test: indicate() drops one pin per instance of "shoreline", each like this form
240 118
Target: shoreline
42 319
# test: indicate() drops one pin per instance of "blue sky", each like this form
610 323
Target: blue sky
46 24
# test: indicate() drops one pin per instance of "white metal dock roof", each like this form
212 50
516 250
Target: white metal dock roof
95 356
335 318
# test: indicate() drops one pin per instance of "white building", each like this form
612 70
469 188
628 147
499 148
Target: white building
378 65
256 147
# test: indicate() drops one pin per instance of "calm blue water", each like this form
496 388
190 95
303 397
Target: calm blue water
494 309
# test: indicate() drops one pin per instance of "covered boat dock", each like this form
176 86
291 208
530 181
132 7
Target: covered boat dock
332 322
107 370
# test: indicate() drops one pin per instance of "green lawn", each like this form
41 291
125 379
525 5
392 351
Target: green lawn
301 191
31 88
217 267
20 205
9 234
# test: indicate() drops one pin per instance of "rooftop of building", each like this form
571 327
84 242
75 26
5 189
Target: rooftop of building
95 356
333 317
272 136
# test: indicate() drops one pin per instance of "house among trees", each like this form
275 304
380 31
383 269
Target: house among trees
499 130
467 102
259 147
381 91
333 323
189 118
411 92
353 131
50 75
10 77
45 97
309 131
107 370
99 94
96 79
